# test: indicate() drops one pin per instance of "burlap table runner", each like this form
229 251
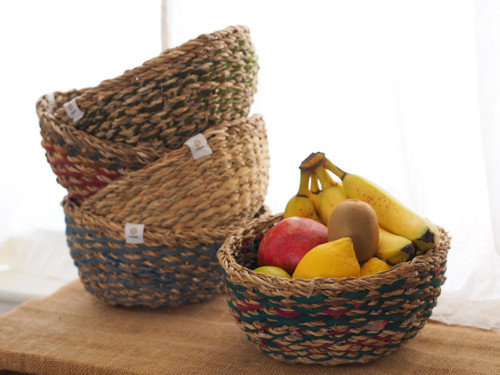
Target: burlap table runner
71 332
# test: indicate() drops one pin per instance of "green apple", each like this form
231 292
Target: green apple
273 271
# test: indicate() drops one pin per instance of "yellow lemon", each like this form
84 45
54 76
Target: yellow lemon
273 271
331 259
373 266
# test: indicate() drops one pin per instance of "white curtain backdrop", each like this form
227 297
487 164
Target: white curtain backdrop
404 93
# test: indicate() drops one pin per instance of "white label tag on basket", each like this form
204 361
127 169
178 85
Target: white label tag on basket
50 101
72 110
134 233
199 146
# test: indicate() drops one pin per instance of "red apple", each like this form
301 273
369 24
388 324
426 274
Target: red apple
289 240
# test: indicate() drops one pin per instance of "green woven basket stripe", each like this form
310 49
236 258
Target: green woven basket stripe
392 287
238 288
305 311
380 304
309 300
355 295
269 298
358 320
301 322
436 282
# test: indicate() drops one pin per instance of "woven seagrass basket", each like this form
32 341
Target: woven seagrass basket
129 121
180 193
171 267
187 208
174 95
329 321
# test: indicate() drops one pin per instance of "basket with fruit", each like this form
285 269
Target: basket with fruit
351 289
181 209
95 135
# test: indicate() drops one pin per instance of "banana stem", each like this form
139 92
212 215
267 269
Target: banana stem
334 169
314 184
312 161
304 183
323 177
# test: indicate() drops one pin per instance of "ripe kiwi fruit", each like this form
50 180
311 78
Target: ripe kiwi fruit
356 219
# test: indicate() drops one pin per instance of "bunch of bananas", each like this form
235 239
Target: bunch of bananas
403 233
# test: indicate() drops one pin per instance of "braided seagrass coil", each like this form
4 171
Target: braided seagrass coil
175 95
329 321
170 268
178 192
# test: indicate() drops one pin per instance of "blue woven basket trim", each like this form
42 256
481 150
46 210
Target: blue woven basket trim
173 298
152 288
97 237
114 262
131 275
119 249
156 282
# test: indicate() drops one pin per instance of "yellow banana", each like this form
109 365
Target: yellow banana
300 204
422 244
315 192
392 215
393 248
331 196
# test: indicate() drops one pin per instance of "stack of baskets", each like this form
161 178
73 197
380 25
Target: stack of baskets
144 215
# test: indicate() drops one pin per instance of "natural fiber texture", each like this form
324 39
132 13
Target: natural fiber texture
71 332
180 193
83 163
134 119
179 93
329 321
171 268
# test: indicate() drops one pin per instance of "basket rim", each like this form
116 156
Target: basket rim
53 127
176 154
153 235
304 287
